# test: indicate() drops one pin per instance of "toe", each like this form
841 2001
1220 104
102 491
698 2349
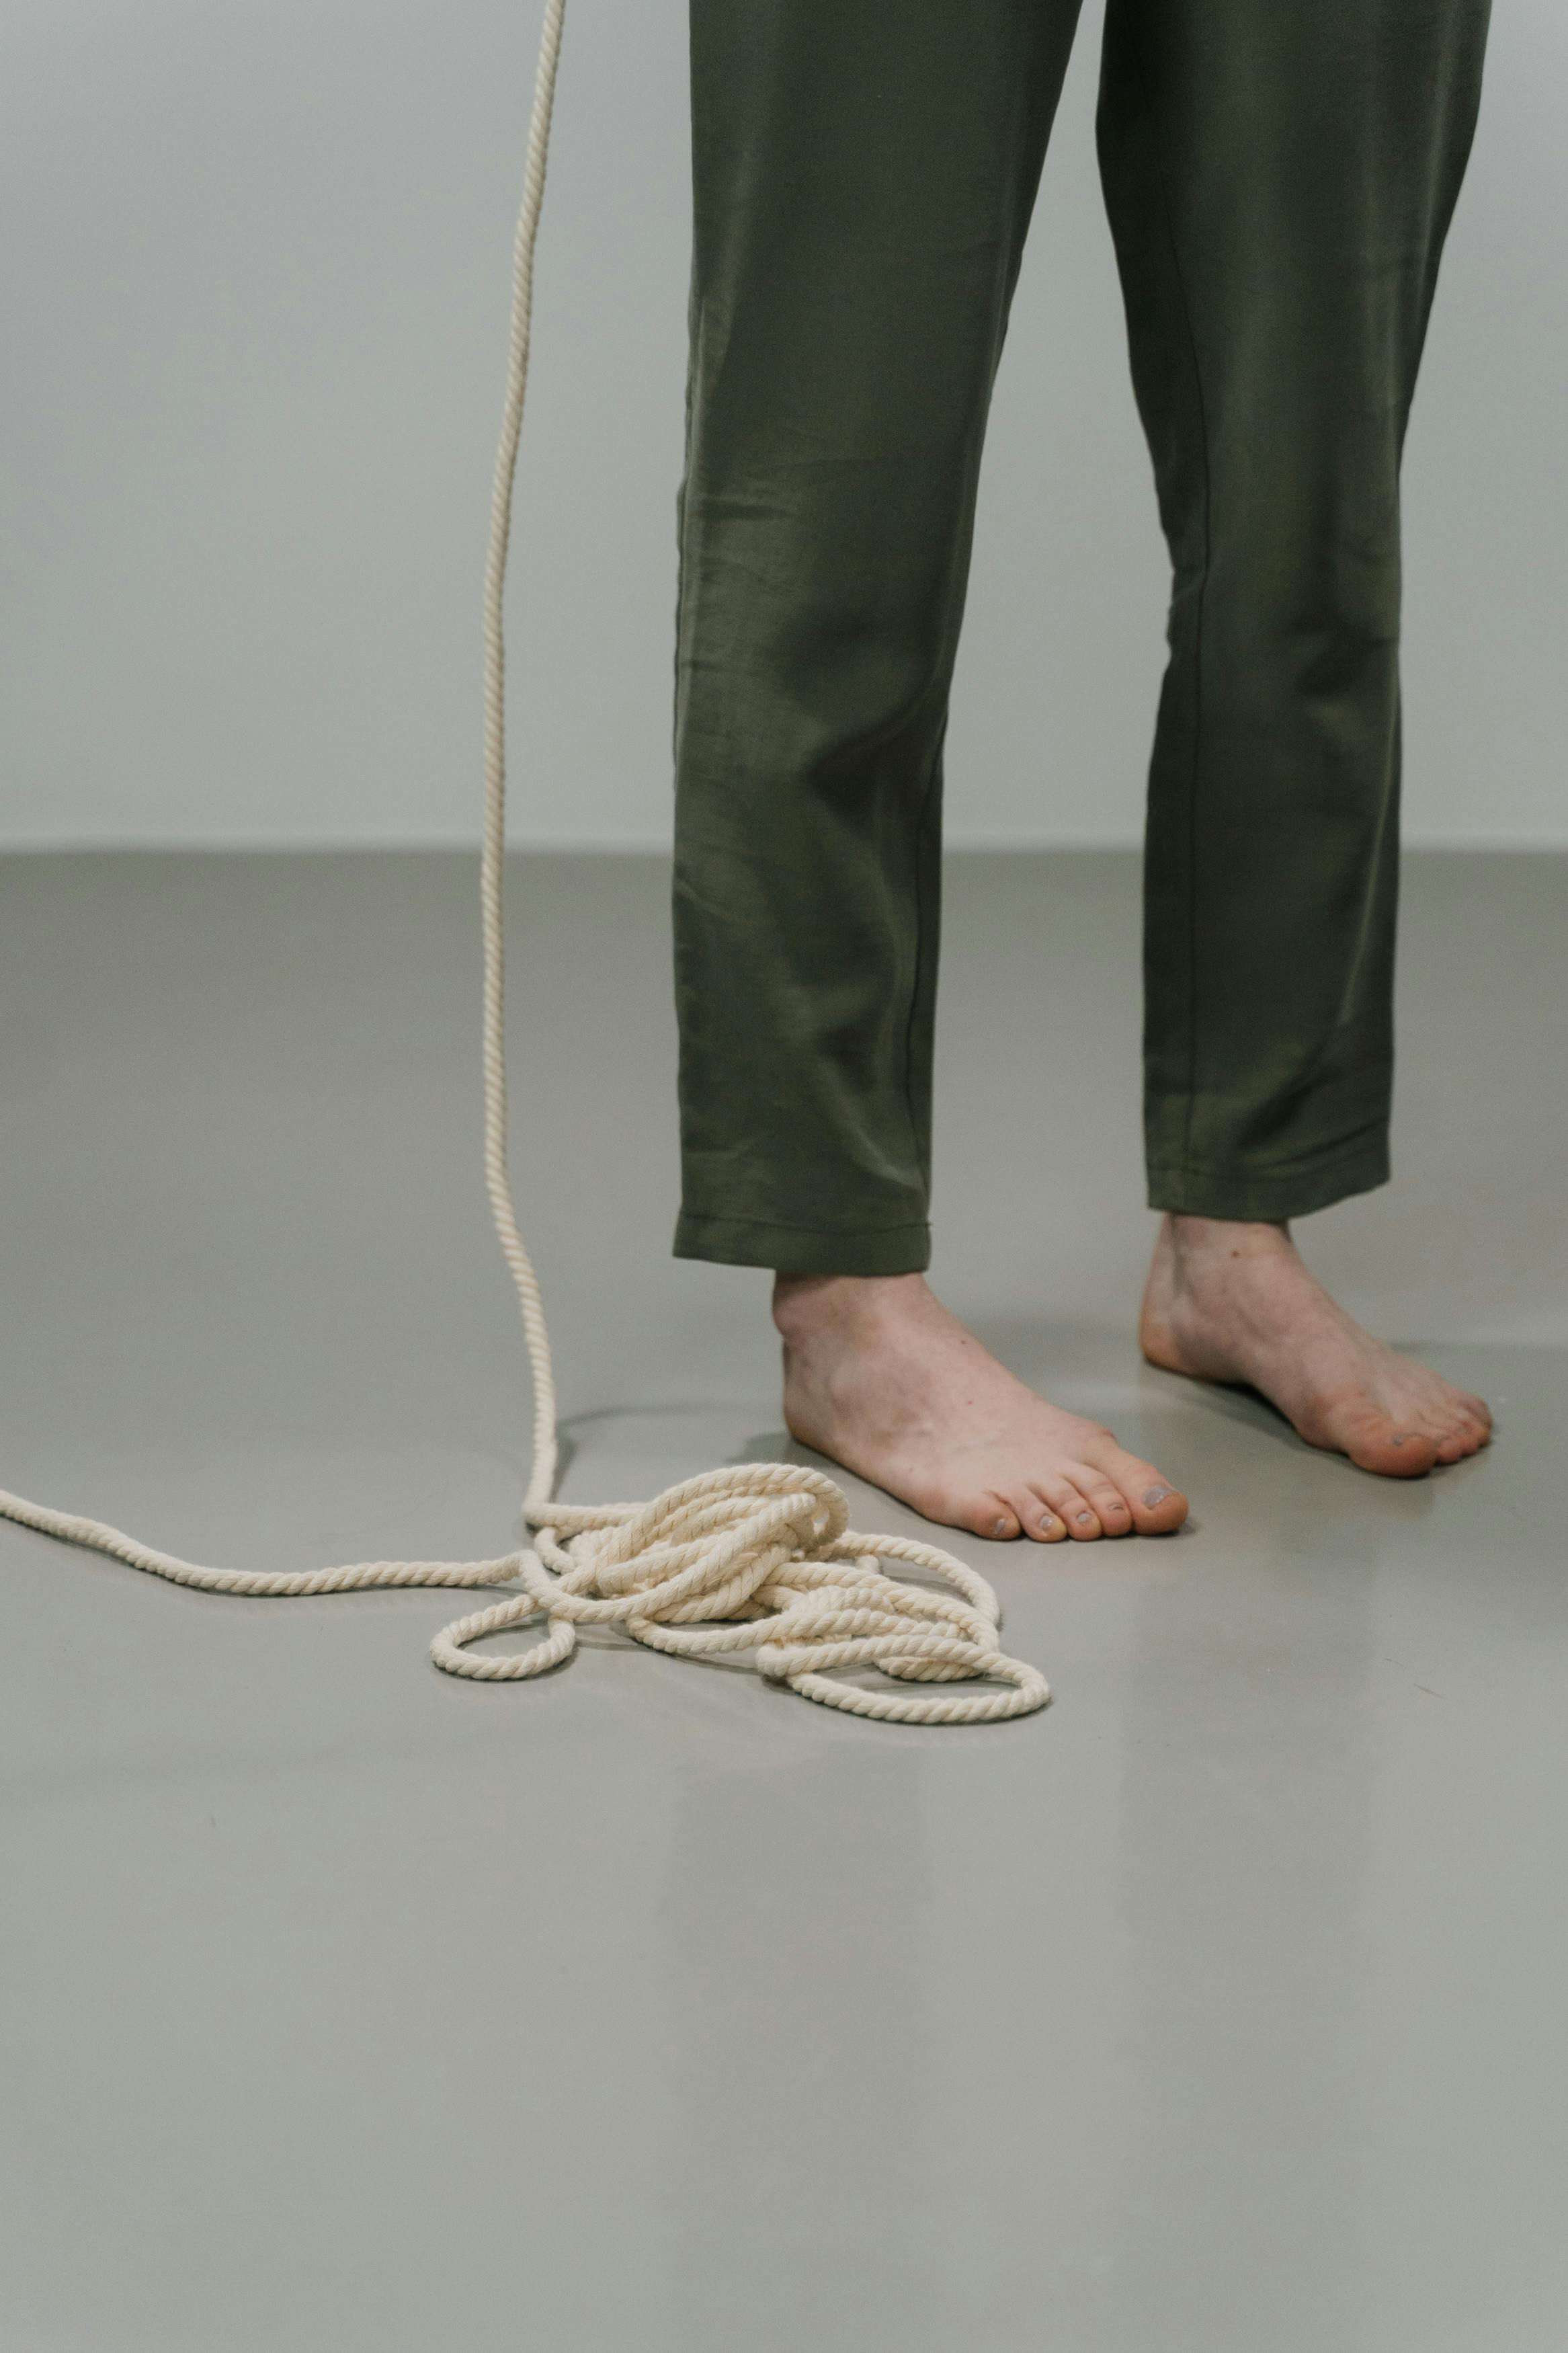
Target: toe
1042 1520
989 1516
1476 1416
1375 1445
1155 1508
1455 1424
1072 1507
1107 1502
1160 1510
1464 1438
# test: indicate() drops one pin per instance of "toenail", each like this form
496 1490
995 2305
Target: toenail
1157 1495
1084 1518
1047 1524
1000 1527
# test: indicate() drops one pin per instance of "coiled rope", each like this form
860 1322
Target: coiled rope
758 1558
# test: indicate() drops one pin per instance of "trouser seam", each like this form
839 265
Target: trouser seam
1169 221
1371 1138
793 1224
1283 1175
921 1141
1294 1192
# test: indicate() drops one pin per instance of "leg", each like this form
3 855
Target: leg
1279 176
864 174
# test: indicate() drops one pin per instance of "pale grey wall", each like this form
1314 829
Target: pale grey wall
255 275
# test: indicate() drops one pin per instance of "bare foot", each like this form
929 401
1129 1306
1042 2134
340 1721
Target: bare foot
880 1377
1229 1301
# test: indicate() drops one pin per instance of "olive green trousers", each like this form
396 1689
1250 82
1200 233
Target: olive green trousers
1279 176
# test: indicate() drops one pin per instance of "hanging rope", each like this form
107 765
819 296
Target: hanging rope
758 1558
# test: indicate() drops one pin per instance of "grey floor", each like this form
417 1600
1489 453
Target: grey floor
1219 2007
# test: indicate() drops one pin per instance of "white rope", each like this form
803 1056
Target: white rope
757 1559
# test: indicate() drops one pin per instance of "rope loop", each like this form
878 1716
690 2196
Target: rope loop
759 1558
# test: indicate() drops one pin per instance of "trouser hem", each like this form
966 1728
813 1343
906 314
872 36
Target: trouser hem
1213 1193
804 1249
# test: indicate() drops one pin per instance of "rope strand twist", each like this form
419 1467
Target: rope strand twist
757 1559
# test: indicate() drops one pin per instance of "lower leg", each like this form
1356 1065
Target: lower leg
880 1377
863 175
1230 1300
1279 176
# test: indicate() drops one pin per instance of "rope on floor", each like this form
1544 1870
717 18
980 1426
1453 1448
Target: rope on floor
758 1558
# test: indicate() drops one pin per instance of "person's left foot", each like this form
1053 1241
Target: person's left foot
1230 1301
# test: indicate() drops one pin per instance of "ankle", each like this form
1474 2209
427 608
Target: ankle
1202 1245
806 1305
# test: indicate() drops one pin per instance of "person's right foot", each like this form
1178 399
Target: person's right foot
879 1378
